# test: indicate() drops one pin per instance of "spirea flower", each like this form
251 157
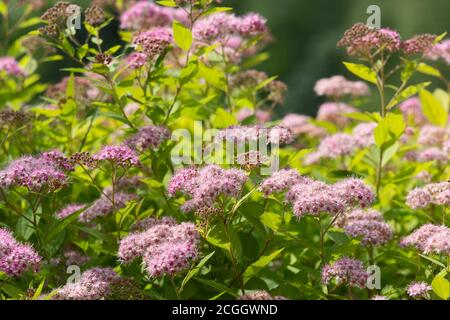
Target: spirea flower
94 284
346 271
419 44
153 43
418 289
41 174
412 111
300 124
260 115
10 66
434 193
432 135
251 160
121 155
252 24
363 134
69 210
338 86
73 257
429 239
94 15
433 154
369 225
16 257
166 247
440 51
360 40
277 91
148 137
145 15
12 118
104 205
260 295
216 27
335 113
281 181
337 145
205 185
246 134
137 60
355 192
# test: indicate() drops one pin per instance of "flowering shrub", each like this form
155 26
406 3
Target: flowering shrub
345 205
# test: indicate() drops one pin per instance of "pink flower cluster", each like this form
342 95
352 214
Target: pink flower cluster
433 135
10 66
300 124
369 225
260 295
362 41
15 257
418 289
69 210
104 205
434 193
245 134
412 111
429 239
145 15
94 284
121 155
75 258
419 44
205 185
440 51
338 86
260 115
346 271
313 197
165 246
148 137
152 44
220 26
335 113
44 173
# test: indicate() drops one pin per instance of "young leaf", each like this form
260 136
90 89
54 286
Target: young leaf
194 271
256 266
432 109
182 36
441 287
362 71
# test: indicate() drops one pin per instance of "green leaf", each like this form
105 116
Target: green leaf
389 130
433 109
217 237
182 36
406 93
256 266
429 70
63 224
362 71
39 290
441 287
223 119
271 220
167 3
196 270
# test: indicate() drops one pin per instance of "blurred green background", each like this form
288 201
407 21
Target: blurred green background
306 32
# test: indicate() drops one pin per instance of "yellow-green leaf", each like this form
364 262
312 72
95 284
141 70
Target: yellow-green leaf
182 36
432 109
362 71
441 287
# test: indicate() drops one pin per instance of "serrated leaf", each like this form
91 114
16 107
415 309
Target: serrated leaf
362 71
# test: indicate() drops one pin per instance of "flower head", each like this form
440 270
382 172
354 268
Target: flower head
338 86
418 289
10 66
346 271
120 155
148 137
335 113
429 239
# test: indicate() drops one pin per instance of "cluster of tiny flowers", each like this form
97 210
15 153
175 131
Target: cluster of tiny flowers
85 91
145 15
301 125
260 295
166 247
418 289
334 112
434 193
429 239
205 185
15 257
433 135
221 25
94 15
94 284
379 297
69 210
346 271
362 40
56 17
433 154
363 134
338 86
152 43
281 181
12 118
58 158
38 174
148 137
251 160
368 225
419 44
440 51
10 66
412 111
73 257
121 155
337 145
104 205
246 134
137 60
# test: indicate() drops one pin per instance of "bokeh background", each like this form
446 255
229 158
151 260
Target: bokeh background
306 32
